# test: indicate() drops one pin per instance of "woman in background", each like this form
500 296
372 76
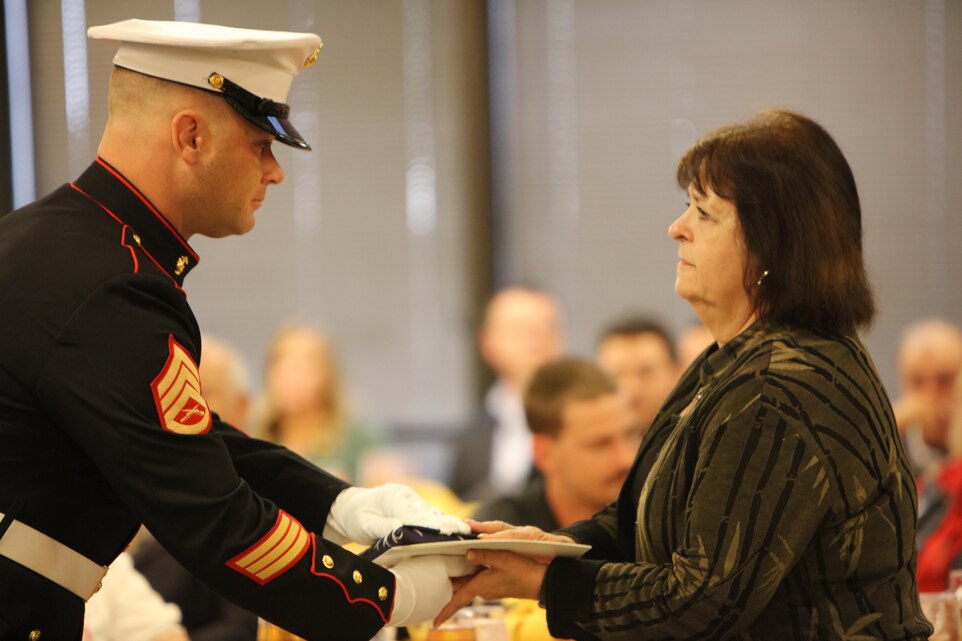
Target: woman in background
305 407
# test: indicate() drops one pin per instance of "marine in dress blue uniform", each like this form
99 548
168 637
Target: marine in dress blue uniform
102 417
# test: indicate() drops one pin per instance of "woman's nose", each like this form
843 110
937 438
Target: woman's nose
678 229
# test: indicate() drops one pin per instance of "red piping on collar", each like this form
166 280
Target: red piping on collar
125 226
116 174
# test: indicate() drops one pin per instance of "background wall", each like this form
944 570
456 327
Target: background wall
410 208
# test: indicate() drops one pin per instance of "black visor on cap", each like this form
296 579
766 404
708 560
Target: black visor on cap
264 113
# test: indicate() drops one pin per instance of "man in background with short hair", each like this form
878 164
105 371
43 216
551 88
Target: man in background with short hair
584 441
227 386
929 363
639 354
521 330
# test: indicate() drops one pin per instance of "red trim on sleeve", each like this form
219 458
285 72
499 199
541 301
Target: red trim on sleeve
338 581
116 174
393 601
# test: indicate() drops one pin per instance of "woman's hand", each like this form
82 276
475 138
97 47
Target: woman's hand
502 530
504 574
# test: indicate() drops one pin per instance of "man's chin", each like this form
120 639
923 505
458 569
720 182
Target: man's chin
239 230
245 225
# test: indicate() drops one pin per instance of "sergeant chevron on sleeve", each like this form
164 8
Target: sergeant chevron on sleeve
102 416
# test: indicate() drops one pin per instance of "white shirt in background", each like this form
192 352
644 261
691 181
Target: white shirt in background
511 445
126 608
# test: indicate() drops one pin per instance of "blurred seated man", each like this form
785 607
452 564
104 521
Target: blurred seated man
640 355
521 331
584 441
207 616
226 381
939 535
929 362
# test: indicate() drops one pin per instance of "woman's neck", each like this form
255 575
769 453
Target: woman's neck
724 327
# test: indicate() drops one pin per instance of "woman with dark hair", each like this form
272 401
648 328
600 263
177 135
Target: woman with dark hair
771 498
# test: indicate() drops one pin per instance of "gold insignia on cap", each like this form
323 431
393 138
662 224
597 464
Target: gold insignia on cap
215 80
357 577
382 593
136 239
34 635
181 266
327 561
311 59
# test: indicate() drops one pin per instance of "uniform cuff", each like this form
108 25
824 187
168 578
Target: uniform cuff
567 594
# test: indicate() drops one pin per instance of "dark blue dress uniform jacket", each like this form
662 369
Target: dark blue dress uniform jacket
103 427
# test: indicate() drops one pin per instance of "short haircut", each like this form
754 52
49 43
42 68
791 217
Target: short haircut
526 289
799 212
557 383
636 325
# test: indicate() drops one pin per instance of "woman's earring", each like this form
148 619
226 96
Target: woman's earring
758 283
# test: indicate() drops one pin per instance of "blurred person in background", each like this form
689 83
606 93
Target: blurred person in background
522 330
585 439
639 354
305 406
127 608
226 380
772 498
929 362
206 615
940 510
692 342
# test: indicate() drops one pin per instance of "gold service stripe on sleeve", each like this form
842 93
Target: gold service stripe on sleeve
292 554
263 546
278 550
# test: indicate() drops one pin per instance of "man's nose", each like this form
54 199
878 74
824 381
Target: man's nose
273 173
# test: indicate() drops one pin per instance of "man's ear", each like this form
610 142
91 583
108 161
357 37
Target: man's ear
542 453
188 135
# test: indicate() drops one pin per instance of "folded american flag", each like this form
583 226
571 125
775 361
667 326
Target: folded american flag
408 535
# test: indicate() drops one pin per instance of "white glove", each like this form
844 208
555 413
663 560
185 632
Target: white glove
423 587
365 515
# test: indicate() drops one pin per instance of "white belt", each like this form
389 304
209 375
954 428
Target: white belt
51 559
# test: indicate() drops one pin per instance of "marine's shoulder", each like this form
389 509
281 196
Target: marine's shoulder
66 233
60 221
59 250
